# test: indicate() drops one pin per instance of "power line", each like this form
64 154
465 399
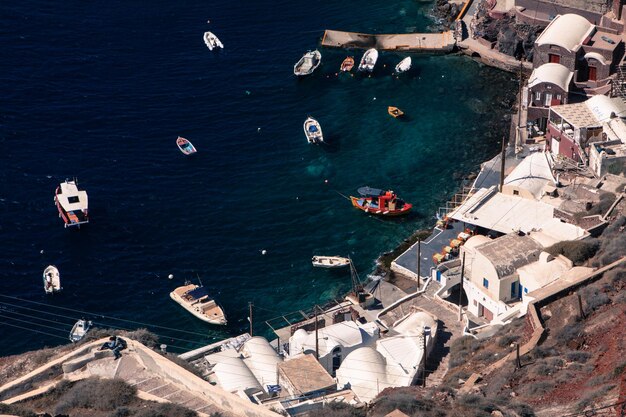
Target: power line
33 330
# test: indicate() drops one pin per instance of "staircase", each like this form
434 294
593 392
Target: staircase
619 84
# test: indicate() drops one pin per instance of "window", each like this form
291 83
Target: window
548 99
525 290
515 192
72 200
558 97
593 73
554 59
485 283
513 289
538 95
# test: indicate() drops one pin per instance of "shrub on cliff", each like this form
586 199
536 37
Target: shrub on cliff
578 251
98 394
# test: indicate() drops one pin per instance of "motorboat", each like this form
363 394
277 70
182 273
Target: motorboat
395 112
79 330
308 63
196 300
347 64
72 204
404 65
380 203
212 41
369 60
330 261
313 131
51 279
185 146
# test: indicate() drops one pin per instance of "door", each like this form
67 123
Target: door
592 73
548 99
554 59
488 314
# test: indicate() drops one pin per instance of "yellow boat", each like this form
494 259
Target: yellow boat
394 111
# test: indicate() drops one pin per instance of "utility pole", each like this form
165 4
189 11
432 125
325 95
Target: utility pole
581 312
518 362
518 131
250 317
419 261
317 346
424 358
461 289
502 161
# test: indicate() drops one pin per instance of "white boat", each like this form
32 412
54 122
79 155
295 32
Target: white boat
79 330
72 203
212 41
51 279
195 299
404 65
369 60
330 261
308 63
313 131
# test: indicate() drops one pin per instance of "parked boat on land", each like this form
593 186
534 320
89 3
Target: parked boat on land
395 112
313 131
185 146
212 41
330 261
196 300
72 204
347 64
369 60
51 279
308 63
404 65
381 203
79 330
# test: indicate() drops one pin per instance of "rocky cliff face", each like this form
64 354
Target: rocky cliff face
446 13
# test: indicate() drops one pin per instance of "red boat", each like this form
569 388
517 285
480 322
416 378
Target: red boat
379 202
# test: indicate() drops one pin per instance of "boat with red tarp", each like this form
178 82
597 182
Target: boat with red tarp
379 202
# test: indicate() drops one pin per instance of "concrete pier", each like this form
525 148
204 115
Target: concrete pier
427 42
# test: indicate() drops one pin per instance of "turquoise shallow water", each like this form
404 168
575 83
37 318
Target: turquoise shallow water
106 95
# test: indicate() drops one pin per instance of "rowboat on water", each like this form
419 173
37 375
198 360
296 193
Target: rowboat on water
330 261
347 64
308 63
380 203
395 112
185 146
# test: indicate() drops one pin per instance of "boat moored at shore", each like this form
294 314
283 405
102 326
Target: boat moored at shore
347 64
308 63
330 261
51 279
380 203
313 131
369 60
404 65
196 300
72 204
79 330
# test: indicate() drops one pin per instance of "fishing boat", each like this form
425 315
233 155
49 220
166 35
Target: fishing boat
395 112
404 65
347 64
308 63
380 203
72 204
330 261
51 279
79 330
369 60
212 41
196 300
313 131
185 146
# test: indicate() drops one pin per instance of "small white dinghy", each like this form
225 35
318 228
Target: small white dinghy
369 60
212 41
308 63
51 279
313 131
330 261
80 329
404 65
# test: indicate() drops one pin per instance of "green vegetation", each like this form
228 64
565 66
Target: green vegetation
578 251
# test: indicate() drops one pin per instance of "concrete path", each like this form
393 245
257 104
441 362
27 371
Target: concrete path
443 41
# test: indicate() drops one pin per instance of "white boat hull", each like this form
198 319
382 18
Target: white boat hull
79 330
51 280
313 136
330 262
404 65
368 62
212 41
308 63
220 320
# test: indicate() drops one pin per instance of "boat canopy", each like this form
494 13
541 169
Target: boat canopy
197 293
370 192
312 128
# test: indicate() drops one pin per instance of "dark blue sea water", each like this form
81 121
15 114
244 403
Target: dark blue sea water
100 91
